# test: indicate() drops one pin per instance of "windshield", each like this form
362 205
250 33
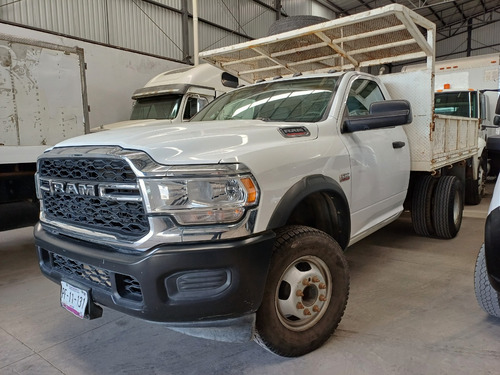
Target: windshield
461 103
156 107
303 100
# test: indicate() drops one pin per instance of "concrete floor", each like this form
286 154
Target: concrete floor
412 310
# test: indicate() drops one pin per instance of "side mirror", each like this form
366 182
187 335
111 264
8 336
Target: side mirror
229 80
496 120
383 114
497 109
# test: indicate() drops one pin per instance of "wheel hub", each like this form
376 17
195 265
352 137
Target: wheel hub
303 293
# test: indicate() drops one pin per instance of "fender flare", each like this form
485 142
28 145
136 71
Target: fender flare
307 186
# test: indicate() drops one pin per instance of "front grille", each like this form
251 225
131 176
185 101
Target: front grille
126 220
109 170
82 271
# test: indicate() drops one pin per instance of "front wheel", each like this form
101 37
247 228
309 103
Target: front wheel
306 292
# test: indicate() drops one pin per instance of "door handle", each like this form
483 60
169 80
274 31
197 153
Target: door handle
398 144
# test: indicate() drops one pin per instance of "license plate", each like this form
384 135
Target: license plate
74 299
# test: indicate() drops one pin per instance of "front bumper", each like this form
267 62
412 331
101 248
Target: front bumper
183 284
492 247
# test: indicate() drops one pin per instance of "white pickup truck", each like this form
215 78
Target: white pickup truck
233 226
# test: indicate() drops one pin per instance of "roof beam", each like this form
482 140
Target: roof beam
437 16
364 3
483 5
460 11
475 15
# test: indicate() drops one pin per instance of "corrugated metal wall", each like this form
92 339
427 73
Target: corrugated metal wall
132 24
484 33
149 27
488 35
144 27
82 18
155 27
452 47
255 18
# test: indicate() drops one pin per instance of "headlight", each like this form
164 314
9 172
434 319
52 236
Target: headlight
201 194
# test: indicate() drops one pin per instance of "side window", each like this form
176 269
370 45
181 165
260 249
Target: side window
194 104
363 92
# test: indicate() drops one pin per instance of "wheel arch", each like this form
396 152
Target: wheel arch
491 251
316 201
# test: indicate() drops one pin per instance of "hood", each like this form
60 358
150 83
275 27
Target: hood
122 124
197 142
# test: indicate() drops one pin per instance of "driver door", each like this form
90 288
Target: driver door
380 162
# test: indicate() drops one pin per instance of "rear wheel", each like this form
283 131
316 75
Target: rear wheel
487 297
448 206
306 292
474 189
421 206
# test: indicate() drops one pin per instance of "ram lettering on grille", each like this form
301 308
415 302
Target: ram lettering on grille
96 194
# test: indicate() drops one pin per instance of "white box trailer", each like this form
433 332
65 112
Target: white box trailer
43 97
43 100
380 36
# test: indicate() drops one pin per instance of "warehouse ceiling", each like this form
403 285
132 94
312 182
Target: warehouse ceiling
450 16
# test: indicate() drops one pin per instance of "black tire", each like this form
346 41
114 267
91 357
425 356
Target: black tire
421 205
474 189
447 207
309 262
293 23
487 297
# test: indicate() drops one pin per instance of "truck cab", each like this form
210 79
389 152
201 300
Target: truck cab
176 95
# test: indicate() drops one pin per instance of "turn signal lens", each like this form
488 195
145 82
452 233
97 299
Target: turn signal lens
251 190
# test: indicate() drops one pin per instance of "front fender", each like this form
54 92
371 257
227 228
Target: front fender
304 188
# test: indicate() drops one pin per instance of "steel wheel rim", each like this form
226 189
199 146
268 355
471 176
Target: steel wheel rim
303 293
456 208
481 182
